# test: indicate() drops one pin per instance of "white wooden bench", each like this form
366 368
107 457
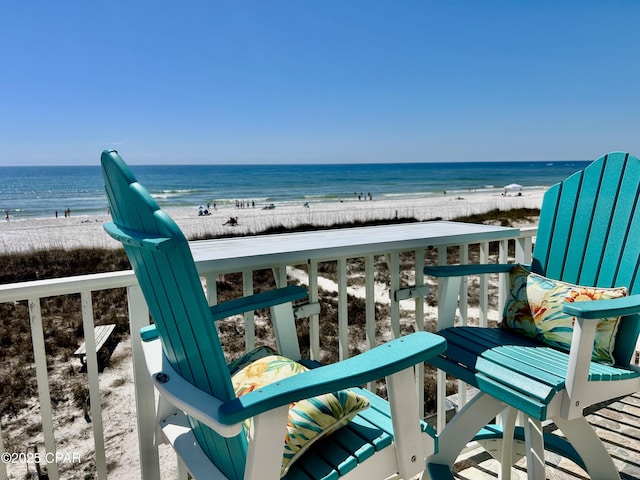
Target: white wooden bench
104 344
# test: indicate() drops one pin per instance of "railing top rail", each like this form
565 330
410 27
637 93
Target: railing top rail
528 231
237 253
13 292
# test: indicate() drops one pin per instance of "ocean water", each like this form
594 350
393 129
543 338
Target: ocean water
40 192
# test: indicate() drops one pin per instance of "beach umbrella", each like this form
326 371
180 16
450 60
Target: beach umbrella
513 186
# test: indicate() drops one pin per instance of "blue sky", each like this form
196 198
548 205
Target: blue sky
322 81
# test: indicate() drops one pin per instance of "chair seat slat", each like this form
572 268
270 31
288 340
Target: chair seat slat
368 432
527 362
513 368
509 375
504 392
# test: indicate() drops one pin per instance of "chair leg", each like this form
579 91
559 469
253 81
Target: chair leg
441 399
463 427
508 427
266 444
584 439
183 473
403 402
534 445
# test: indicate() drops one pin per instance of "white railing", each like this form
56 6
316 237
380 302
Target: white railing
402 286
32 293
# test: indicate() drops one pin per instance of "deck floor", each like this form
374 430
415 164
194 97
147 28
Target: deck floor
618 424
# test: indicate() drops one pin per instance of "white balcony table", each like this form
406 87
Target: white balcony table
236 254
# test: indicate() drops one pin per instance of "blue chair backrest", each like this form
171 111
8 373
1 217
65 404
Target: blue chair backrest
589 233
164 267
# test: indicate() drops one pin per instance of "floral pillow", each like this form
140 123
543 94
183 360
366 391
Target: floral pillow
255 354
534 308
310 419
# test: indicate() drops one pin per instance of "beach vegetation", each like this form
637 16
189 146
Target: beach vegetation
309 227
505 218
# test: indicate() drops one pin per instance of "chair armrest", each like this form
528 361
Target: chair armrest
379 362
450 278
467 269
258 301
137 239
182 394
615 307
580 354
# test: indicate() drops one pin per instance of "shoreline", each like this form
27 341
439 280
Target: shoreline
29 234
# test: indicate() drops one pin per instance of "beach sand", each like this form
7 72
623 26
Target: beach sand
17 235
74 435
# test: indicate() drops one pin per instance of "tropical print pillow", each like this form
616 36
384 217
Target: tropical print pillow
534 308
310 419
255 354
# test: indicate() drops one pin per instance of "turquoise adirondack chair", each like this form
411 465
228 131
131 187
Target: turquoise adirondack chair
544 364
200 412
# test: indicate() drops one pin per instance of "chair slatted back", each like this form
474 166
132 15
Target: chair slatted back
589 233
164 267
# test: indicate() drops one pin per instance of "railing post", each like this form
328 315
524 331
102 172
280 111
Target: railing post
212 289
441 388
314 320
419 309
484 286
94 386
370 306
524 247
394 273
343 310
145 398
42 376
521 244
419 282
503 254
249 318
463 299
